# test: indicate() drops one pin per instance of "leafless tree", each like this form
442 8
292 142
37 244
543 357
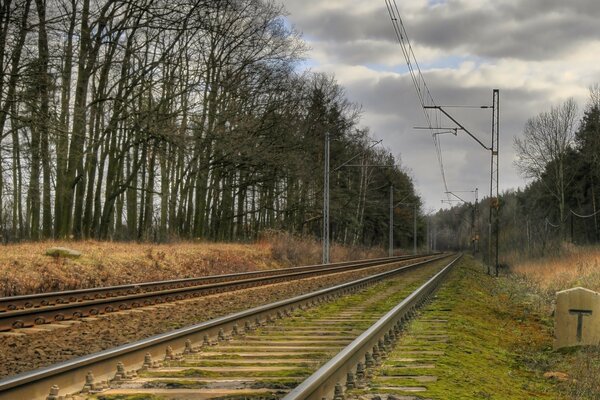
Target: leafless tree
542 152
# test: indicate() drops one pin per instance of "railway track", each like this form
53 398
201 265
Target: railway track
36 309
262 352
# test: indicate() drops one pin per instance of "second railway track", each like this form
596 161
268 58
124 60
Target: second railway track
35 309
254 357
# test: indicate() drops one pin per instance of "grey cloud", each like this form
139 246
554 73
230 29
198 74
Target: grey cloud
531 31
392 111
341 25
527 29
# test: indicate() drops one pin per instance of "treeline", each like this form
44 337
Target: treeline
560 153
154 120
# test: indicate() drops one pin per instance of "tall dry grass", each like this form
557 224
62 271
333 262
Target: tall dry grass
301 250
541 279
25 269
575 266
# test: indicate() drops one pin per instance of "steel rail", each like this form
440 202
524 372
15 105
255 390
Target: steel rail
64 311
70 376
11 303
327 380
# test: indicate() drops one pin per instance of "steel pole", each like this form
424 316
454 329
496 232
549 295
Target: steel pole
326 202
391 233
493 223
497 114
428 235
415 230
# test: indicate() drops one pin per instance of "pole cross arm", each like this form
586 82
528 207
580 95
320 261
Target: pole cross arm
460 125
457 196
370 165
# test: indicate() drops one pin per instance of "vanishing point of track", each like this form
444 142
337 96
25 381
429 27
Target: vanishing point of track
258 334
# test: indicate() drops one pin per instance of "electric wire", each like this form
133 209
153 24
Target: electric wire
423 93
584 216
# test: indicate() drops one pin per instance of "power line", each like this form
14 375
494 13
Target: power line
423 93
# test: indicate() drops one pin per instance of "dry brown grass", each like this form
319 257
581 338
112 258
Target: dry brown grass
541 279
576 266
25 269
297 250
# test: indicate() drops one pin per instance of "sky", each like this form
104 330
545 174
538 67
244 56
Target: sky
538 53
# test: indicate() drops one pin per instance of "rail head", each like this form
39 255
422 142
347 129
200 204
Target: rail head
322 383
143 285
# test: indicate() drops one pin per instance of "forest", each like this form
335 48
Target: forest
559 153
153 120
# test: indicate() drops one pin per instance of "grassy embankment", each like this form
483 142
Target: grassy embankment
25 269
538 281
494 343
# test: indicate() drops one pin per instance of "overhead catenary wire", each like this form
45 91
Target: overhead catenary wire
584 216
423 93
551 224
565 219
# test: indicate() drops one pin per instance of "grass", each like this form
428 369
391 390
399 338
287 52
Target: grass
539 280
130 397
25 269
297 250
494 349
576 266
199 373
174 384
226 363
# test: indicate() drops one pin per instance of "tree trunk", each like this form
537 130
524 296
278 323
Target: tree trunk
62 140
44 115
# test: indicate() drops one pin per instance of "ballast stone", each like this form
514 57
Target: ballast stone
577 318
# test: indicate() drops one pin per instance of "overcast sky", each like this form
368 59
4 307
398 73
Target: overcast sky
537 52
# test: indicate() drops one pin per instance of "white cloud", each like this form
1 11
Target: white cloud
537 52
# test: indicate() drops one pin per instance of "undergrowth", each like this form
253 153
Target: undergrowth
537 281
24 267
498 347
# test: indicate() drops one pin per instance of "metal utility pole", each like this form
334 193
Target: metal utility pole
475 223
326 202
415 230
494 222
414 223
428 235
474 232
391 233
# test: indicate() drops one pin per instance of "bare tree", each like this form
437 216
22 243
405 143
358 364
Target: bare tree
542 152
147 120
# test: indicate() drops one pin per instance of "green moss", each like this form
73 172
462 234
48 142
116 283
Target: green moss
492 345
233 363
250 396
174 384
130 397
200 373
281 384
